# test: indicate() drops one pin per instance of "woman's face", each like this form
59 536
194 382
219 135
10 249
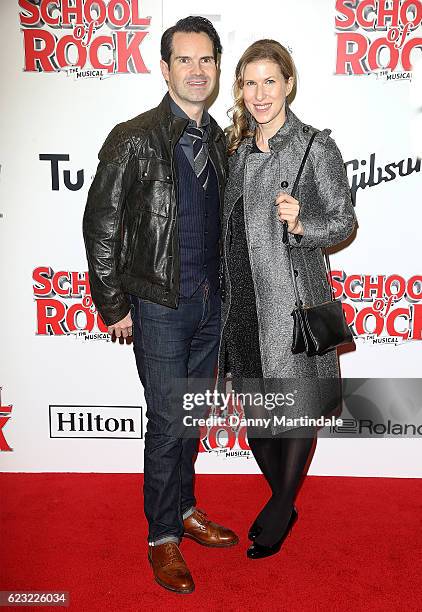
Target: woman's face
264 92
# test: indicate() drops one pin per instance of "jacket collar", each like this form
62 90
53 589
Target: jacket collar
179 112
178 124
282 137
287 131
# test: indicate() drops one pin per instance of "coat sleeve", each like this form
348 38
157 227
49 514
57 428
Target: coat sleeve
102 224
337 219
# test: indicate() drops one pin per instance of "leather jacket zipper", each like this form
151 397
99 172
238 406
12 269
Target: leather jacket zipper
174 193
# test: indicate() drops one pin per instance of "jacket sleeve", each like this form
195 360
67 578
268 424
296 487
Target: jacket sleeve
102 224
338 218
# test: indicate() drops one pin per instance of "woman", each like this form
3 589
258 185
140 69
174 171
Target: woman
266 145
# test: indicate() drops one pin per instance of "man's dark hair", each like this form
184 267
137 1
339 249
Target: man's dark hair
189 24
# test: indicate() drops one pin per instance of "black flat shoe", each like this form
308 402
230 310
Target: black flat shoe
258 551
254 531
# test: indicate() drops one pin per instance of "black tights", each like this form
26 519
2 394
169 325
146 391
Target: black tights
282 460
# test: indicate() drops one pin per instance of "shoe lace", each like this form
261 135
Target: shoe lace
172 552
202 515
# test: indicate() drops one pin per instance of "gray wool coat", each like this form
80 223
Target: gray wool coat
328 218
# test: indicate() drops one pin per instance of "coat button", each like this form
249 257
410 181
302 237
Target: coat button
306 128
284 184
145 173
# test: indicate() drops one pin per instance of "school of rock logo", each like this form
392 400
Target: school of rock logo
381 309
87 38
5 415
228 440
64 305
377 37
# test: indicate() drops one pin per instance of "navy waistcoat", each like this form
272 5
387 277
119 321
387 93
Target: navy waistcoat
199 227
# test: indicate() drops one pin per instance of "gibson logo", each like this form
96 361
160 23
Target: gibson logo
366 174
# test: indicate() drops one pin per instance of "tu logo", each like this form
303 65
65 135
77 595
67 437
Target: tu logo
54 159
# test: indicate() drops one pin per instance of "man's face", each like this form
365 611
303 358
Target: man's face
192 74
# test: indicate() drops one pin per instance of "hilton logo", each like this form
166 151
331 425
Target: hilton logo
96 422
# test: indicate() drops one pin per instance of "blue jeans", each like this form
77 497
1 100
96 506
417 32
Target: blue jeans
172 344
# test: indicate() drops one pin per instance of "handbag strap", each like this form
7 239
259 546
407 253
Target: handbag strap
285 236
302 165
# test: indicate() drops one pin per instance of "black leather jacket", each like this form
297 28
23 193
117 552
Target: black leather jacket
130 220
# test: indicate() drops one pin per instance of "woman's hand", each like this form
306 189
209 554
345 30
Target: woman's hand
288 210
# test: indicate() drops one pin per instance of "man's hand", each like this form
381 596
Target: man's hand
122 328
288 210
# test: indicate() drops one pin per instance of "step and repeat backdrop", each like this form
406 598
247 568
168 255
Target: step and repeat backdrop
72 69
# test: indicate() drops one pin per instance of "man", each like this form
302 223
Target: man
151 229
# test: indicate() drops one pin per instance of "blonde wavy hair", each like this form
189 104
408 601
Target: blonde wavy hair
265 49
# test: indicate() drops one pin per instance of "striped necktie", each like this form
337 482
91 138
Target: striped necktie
200 154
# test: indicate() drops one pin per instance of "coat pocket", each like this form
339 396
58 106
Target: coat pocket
154 175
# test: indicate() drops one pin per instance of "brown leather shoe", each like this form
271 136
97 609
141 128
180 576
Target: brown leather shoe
170 569
205 532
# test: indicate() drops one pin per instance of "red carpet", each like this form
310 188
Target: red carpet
356 546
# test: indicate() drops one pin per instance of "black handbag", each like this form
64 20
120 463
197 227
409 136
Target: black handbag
320 328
